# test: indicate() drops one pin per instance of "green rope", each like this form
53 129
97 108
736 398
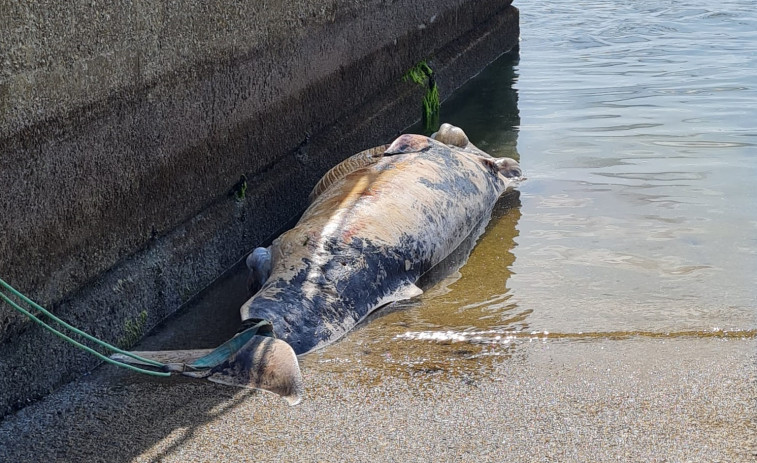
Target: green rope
79 332
221 353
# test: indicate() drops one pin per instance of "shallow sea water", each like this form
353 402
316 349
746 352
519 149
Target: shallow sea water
636 125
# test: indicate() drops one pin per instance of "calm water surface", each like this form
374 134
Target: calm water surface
636 124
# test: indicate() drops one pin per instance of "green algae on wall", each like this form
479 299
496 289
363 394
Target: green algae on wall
422 74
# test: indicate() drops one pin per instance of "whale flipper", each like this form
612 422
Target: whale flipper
407 292
259 265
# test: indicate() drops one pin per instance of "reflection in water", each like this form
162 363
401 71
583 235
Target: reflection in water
486 108
476 296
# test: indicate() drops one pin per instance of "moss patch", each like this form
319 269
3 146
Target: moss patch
422 74
133 330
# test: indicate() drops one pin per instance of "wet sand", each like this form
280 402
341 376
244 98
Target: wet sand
637 399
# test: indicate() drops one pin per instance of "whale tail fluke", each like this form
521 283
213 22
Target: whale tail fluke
247 360
263 363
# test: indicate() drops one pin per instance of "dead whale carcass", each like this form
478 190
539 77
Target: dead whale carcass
376 224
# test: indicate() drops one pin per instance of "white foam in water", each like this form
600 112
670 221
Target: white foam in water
473 337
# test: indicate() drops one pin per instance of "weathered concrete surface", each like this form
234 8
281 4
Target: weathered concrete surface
125 126
638 400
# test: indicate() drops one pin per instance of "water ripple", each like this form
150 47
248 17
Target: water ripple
506 337
638 128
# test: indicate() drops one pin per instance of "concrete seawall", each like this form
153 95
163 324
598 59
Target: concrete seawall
125 130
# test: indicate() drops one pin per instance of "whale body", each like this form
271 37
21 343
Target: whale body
370 235
376 223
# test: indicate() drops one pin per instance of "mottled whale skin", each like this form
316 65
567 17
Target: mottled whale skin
377 222
370 235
